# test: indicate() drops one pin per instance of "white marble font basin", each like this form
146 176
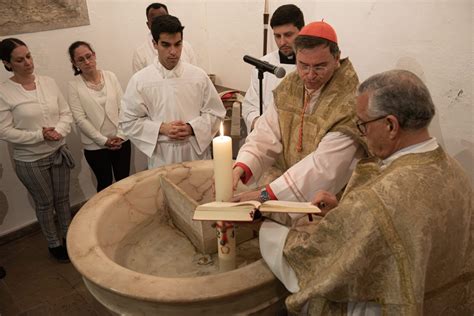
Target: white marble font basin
134 260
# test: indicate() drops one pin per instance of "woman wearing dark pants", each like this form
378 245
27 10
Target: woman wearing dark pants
94 98
109 164
35 118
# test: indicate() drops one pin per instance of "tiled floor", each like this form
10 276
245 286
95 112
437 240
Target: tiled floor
36 284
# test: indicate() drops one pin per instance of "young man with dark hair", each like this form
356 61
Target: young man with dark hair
286 22
170 109
146 53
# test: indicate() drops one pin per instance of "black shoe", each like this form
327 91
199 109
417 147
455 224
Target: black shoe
59 253
3 273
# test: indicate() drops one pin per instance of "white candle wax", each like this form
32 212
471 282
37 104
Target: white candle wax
222 148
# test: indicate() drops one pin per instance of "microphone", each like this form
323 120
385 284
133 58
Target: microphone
279 72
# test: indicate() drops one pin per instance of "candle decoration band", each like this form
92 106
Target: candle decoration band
222 228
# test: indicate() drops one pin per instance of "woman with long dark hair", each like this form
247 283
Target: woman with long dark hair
35 118
94 97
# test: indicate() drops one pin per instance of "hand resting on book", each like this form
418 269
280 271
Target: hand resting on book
326 201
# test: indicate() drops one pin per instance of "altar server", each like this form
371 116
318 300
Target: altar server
170 109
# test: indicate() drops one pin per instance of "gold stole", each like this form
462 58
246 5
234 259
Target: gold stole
392 241
334 112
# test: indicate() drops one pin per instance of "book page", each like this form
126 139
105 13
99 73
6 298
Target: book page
226 205
246 211
289 207
233 215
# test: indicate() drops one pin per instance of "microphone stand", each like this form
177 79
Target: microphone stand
260 88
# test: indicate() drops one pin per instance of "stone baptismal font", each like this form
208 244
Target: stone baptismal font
140 252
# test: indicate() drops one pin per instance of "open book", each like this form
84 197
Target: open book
248 210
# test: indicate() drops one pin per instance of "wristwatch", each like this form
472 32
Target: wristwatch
264 196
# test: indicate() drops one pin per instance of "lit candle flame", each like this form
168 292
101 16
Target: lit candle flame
222 129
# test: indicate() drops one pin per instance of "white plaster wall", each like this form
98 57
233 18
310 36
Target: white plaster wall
432 38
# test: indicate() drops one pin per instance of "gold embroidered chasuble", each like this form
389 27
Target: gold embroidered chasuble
334 112
401 237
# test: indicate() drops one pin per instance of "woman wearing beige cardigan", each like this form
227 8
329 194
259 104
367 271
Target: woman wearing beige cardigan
94 98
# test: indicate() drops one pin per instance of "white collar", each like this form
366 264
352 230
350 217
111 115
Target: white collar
312 92
176 72
428 145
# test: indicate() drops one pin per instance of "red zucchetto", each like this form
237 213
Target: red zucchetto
319 29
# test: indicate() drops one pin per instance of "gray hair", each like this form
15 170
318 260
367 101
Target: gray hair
402 94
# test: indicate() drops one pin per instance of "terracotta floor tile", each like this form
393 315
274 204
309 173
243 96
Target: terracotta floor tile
38 285
69 273
92 301
71 305
38 310
7 304
39 289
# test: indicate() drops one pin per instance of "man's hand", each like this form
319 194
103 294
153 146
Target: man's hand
166 128
182 130
247 196
50 134
325 201
237 173
176 130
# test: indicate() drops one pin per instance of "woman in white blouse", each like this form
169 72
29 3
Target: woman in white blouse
94 98
35 118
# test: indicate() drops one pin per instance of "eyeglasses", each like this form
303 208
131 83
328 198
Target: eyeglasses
87 57
361 125
307 68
